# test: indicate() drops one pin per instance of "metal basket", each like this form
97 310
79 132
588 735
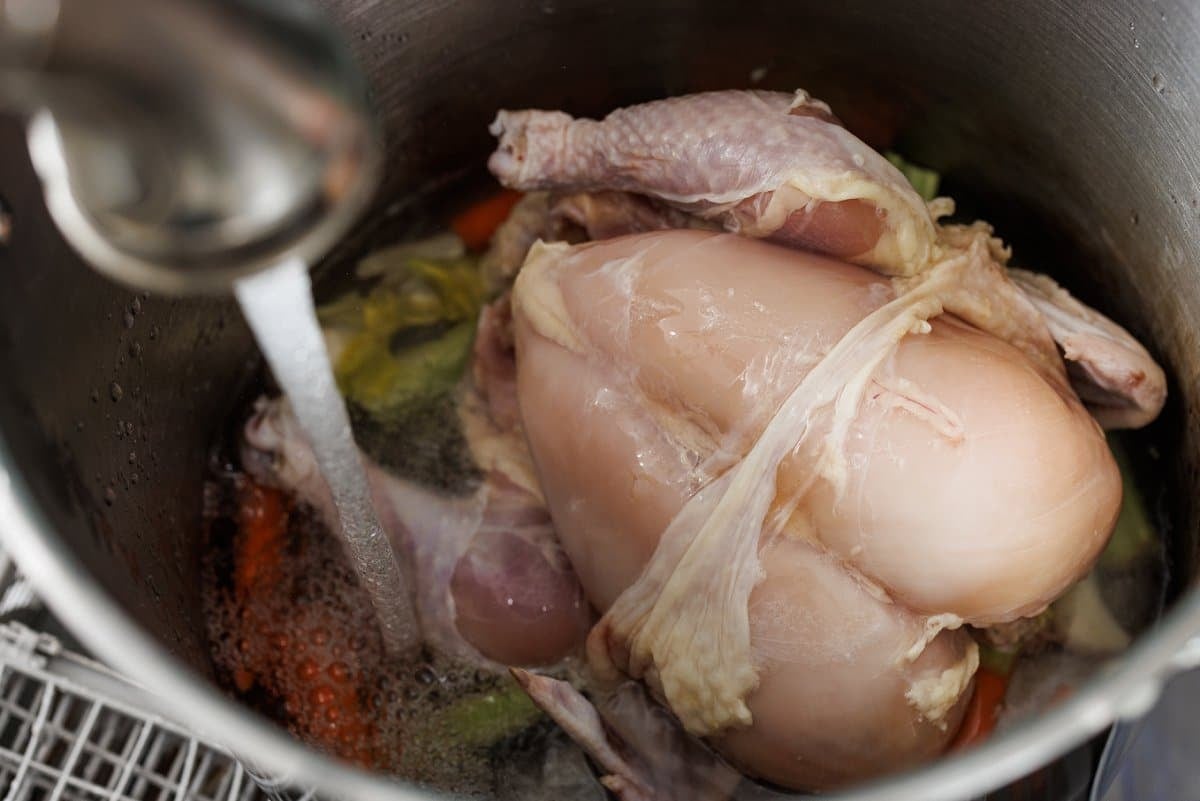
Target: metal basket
73 730
64 737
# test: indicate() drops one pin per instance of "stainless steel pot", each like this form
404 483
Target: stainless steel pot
1073 125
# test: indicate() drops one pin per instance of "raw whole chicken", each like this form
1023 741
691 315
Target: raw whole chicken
788 481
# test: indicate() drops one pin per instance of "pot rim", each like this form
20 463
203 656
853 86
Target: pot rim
1126 687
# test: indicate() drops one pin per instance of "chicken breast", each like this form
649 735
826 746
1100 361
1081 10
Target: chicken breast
972 490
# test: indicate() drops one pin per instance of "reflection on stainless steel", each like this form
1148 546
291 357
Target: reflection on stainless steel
184 143
1154 758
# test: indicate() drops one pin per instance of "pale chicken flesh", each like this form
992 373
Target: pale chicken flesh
493 585
708 414
769 164
913 477
763 164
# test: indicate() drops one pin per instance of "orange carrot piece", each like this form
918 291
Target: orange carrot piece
243 679
476 225
326 708
263 518
982 710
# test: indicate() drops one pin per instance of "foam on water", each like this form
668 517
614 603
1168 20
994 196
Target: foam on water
278 305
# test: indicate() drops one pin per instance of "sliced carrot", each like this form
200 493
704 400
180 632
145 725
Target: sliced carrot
323 703
982 710
243 679
476 225
263 518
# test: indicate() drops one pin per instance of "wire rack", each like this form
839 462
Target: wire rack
73 730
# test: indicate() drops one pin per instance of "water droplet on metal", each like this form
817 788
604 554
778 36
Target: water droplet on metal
115 391
128 319
135 350
110 496
1159 83
95 395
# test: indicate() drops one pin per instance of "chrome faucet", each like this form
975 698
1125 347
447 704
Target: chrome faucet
183 144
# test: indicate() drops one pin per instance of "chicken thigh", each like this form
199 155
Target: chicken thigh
493 584
763 164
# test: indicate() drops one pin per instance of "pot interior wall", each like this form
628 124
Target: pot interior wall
1072 125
